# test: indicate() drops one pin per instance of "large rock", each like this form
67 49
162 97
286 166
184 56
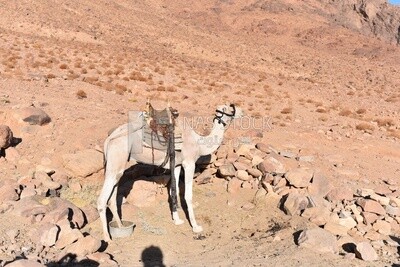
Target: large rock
340 194
319 240
84 163
6 136
143 193
227 170
8 191
60 209
84 246
299 177
47 234
295 203
336 228
271 165
373 206
25 263
366 252
33 116
320 185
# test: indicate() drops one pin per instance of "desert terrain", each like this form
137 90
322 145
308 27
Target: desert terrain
318 81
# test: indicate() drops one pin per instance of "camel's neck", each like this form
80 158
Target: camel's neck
209 144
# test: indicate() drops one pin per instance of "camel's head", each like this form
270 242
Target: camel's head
226 113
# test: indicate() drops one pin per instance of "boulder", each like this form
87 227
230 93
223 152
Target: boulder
295 203
227 170
33 116
25 263
143 193
272 165
366 252
6 136
318 240
299 177
369 205
83 163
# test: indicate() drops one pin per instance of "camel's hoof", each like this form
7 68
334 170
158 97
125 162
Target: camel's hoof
197 229
178 221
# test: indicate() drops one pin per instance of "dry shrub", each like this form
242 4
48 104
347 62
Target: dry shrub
81 94
394 133
171 89
384 122
392 99
84 71
90 79
63 66
287 110
323 118
125 78
78 65
318 104
160 88
364 126
121 87
350 93
361 111
108 72
345 112
119 91
50 76
321 110
105 65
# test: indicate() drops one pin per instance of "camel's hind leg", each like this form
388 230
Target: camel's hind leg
113 206
106 193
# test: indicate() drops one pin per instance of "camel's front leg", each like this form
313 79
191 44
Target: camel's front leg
175 215
189 173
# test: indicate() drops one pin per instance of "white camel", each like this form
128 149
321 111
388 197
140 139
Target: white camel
117 152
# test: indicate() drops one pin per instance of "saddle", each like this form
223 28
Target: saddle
159 126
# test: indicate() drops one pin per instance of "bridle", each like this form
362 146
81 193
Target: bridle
220 114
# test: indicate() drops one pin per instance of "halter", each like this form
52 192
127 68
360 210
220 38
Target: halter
220 114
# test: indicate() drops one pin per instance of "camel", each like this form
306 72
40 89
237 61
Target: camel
117 153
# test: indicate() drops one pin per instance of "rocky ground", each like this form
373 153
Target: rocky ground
308 177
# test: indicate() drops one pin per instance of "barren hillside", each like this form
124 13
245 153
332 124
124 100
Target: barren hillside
323 74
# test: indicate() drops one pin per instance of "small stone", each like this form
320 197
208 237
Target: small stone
295 203
306 158
373 206
6 136
317 215
33 116
241 165
319 240
272 165
256 160
234 185
373 235
340 194
392 211
320 186
206 176
48 234
254 172
336 228
369 218
365 192
382 227
287 154
104 259
82 247
248 206
8 191
299 177
67 237
227 170
348 222
381 199
366 252
25 263
245 150
242 175
382 190
143 193
264 148
91 213
84 163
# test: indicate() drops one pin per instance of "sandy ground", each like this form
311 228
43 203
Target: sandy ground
325 90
